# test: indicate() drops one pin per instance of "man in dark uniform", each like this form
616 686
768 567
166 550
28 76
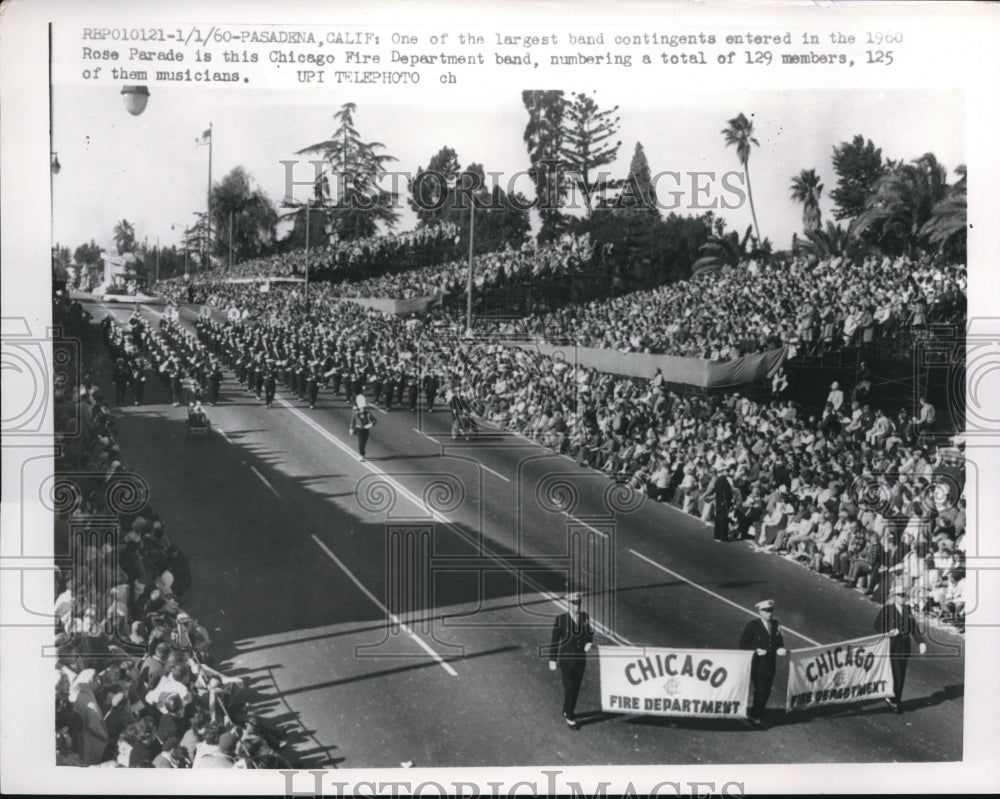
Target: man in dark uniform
430 390
377 381
176 378
723 492
138 380
896 621
214 381
763 635
301 374
572 638
120 376
312 384
413 390
390 388
334 371
362 421
270 382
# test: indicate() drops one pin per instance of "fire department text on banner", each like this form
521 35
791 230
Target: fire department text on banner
675 682
850 671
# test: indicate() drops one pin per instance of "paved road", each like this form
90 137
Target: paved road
303 562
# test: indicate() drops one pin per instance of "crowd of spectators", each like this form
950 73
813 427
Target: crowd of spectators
373 255
805 304
490 270
136 683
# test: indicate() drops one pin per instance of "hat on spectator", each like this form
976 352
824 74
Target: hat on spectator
574 597
227 743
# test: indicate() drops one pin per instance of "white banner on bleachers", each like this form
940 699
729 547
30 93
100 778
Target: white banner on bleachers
675 682
849 671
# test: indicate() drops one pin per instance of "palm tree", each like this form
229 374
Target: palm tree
739 133
124 237
723 250
902 202
947 227
831 241
806 189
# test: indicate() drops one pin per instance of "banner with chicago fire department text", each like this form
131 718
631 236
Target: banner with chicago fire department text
675 682
849 671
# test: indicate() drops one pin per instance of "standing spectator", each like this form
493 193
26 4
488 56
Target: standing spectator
94 735
836 396
926 416
722 491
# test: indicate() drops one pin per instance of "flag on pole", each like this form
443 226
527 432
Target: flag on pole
205 137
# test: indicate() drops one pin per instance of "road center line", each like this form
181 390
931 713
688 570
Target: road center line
717 596
395 619
223 432
436 515
497 474
421 432
264 480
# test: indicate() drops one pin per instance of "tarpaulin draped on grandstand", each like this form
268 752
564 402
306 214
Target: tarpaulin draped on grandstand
690 371
675 682
413 305
849 671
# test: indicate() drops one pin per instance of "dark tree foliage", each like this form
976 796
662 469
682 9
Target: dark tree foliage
588 144
858 164
638 190
543 136
355 201
253 215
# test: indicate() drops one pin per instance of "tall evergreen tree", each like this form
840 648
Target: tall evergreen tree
360 203
638 190
543 137
587 146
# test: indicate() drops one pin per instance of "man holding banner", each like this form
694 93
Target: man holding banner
763 635
572 638
896 621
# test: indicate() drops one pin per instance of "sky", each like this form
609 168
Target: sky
150 171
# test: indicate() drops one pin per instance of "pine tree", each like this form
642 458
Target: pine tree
587 146
358 166
638 190
543 137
